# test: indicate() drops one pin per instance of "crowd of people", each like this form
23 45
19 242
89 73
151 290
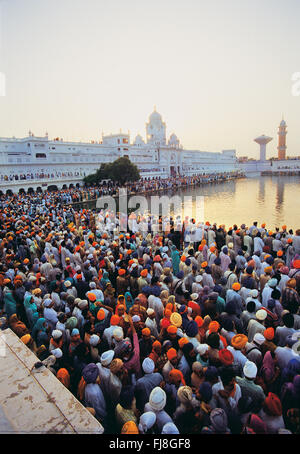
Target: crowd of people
108 187
168 326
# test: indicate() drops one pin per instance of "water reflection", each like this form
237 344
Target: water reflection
273 200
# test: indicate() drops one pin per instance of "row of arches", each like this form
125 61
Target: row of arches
39 189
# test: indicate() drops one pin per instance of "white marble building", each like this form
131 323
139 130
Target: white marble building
38 162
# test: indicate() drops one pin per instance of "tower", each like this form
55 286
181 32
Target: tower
262 141
282 132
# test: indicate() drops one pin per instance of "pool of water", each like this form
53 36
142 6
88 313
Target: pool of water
274 200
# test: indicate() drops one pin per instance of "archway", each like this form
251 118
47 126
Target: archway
30 190
9 192
52 187
39 189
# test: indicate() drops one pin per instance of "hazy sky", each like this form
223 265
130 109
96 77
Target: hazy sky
218 71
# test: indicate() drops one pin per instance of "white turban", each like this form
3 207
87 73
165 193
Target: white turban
147 420
136 318
259 338
93 285
94 340
118 333
148 366
57 353
170 428
56 334
107 357
261 314
157 399
150 311
83 304
250 369
47 302
254 293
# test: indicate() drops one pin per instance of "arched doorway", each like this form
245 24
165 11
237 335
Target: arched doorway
39 189
52 187
30 190
9 192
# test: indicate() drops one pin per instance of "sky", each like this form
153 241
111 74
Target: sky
219 72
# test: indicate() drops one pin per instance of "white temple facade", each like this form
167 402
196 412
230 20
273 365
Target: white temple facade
38 162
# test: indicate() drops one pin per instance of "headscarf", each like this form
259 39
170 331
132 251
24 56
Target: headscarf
289 372
128 300
268 367
176 374
257 425
38 326
17 326
64 377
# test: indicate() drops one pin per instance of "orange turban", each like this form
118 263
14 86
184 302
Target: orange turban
146 332
26 339
144 273
91 296
168 313
268 269
182 341
64 377
130 427
279 253
101 314
203 264
296 264
236 286
177 374
121 272
214 326
171 353
115 319
199 320
239 341
269 333
183 258
172 329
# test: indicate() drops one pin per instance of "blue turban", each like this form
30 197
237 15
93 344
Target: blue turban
191 329
230 307
211 373
180 275
206 391
90 373
188 262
